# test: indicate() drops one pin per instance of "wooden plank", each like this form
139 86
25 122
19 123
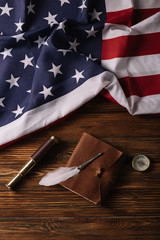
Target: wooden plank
80 228
132 209
59 202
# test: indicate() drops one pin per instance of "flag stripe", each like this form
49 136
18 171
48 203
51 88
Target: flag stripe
135 45
133 66
124 17
115 30
107 95
143 4
130 16
141 86
144 105
134 104
139 14
114 5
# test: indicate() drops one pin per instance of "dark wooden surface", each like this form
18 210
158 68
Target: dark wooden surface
133 207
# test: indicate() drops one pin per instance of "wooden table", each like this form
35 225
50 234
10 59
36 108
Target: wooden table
133 207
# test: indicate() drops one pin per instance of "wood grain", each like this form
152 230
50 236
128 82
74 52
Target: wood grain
132 210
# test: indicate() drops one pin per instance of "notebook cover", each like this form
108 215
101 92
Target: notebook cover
94 182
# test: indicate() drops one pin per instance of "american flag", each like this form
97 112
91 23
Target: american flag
57 55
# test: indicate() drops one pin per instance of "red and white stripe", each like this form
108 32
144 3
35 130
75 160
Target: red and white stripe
131 50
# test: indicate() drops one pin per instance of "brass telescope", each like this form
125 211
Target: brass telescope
35 158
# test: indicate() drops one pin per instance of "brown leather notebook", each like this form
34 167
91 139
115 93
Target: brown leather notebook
94 182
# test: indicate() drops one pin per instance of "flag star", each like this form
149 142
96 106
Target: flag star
55 69
83 5
90 57
51 19
78 75
1 33
30 8
28 91
64 51
46 92
45 42
18 37
6 52
95 15
37 66
27 61
1 102
91 32
13 81
41 41
64 1
19 26
62 26
18 111
6 10
74 45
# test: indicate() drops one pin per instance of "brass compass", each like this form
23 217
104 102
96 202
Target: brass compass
140 163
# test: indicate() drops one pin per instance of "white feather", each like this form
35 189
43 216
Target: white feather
59 175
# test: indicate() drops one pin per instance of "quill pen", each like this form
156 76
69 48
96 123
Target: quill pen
63 173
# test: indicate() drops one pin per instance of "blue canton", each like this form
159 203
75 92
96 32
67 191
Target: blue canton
47 49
